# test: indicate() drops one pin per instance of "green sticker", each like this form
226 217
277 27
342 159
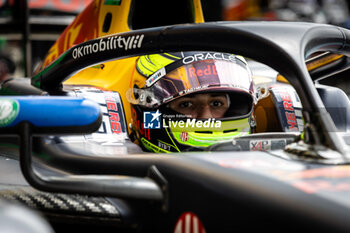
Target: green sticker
113 2
8 111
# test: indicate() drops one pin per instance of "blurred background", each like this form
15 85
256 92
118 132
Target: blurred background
28 28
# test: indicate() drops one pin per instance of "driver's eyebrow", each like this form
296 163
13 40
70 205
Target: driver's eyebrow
189 96
218 95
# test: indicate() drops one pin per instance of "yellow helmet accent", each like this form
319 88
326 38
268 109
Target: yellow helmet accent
149 64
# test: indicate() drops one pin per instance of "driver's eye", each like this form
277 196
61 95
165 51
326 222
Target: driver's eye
216 103
185 104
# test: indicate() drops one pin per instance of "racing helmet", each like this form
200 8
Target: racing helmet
162 123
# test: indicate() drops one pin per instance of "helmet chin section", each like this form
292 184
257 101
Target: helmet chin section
204 133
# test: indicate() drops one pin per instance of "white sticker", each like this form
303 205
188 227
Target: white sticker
155 77
260 145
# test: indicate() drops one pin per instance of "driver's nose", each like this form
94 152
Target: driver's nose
204 112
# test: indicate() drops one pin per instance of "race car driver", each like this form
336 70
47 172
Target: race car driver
190 100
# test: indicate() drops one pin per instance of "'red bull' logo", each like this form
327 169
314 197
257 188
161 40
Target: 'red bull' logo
208 70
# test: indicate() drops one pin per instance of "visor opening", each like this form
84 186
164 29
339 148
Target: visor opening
204 132
230 130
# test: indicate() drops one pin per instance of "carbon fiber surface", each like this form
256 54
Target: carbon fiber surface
61 204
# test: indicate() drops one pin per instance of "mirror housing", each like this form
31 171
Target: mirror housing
44 115
49 115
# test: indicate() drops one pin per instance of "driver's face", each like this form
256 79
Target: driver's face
201 106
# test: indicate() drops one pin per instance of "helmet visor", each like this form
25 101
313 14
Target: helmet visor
200 76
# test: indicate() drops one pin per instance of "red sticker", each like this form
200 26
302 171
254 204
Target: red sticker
189 223
113 113
184 136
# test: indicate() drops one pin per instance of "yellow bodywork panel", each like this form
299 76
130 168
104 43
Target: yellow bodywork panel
316 62
112 75
89 24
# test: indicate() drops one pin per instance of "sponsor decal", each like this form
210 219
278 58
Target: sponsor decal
208 70
151 120
139 124
113 114
110 43
260 145
155 77
206 56
113 118
8 111
184 136
164 146
337 172
189 223
317 186
323 179
290 108
193 89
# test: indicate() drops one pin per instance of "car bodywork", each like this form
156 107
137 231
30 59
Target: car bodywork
302 186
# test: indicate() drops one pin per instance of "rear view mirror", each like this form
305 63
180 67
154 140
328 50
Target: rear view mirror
28 116
49 115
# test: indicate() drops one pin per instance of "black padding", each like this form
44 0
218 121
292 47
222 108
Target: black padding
337 104
157 13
